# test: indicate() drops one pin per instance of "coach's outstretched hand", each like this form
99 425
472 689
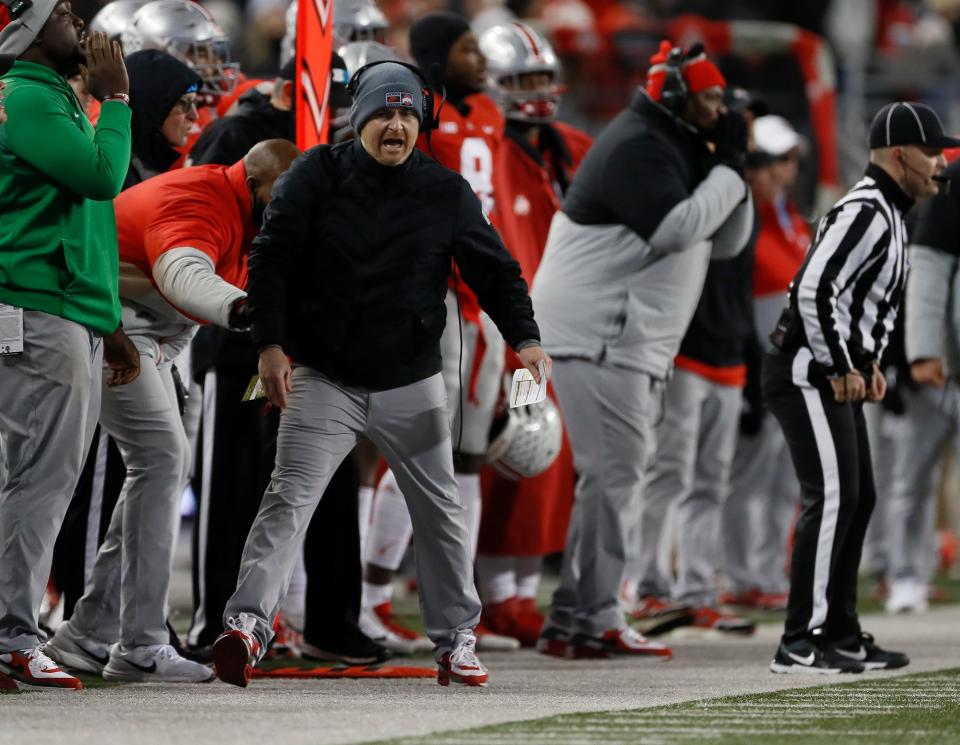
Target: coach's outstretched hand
531 357
121 357
104 73
276 375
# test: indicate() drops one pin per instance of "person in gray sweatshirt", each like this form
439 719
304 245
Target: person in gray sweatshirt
621 276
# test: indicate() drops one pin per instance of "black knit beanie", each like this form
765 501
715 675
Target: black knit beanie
430 40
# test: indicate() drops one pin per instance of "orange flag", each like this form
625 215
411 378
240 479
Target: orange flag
314 46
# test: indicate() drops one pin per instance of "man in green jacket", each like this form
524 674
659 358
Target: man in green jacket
59 310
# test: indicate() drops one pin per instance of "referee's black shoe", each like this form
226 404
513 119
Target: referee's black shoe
861 648
804 657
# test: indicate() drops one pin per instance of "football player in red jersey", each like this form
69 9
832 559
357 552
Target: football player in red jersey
470 131
525 520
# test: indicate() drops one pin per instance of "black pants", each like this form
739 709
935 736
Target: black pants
831 454
88 518
236 452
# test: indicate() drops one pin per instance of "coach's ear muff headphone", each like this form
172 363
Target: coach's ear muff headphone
673 95
430 122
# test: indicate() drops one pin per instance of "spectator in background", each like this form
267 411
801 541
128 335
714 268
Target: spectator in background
763 490
59 276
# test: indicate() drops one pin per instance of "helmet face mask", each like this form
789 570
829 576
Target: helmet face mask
188 32
525 76
358 20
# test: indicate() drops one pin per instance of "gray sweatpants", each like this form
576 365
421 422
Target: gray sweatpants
49 400
759 511
410 426
608 412
929 423
695 445
126 597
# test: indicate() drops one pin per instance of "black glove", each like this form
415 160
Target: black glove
239 318
730 138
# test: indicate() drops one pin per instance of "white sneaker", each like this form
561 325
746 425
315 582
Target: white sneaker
461 665
487 641
31 668
154 662
907 596
372 627
76 651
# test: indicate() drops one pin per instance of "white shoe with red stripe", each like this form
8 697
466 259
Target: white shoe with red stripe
31 668
236 651
462 664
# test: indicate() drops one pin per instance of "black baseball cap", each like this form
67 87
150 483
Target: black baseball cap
6 62
908 123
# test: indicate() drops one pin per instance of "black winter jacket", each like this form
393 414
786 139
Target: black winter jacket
350 270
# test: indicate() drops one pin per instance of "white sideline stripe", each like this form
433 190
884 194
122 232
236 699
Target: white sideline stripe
827 451
209 419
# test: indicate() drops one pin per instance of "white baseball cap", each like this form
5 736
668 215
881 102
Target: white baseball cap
774 135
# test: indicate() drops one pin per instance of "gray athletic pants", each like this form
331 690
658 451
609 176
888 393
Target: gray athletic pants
695 444
929 423
49 400
126 597
759 511
608 411
411 428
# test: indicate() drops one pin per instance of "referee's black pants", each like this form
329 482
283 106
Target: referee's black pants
831 454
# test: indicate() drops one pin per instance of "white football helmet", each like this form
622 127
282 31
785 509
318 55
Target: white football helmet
353 20
188 32
528 442
516 52
356 54
114 19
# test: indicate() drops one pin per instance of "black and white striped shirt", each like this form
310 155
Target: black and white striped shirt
848 291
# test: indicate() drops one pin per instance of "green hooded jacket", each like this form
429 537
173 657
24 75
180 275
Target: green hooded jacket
58 177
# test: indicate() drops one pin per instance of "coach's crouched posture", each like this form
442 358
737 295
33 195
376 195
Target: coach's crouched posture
348 277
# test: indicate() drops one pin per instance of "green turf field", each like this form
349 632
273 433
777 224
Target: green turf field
923 708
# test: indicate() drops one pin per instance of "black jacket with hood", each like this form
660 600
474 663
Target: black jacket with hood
157 81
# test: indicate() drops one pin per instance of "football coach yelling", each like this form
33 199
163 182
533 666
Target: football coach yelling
348 278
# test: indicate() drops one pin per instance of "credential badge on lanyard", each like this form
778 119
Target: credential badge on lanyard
11 329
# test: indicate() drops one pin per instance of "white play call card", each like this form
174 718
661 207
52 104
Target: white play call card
526 390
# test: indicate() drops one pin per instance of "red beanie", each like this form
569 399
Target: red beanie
698 72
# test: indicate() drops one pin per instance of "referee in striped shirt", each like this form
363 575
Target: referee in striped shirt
841 309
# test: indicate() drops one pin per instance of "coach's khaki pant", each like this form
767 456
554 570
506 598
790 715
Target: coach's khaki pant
609 412
49 399
410 426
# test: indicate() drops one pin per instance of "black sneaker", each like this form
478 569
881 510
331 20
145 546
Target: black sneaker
862 649
351 648
804 657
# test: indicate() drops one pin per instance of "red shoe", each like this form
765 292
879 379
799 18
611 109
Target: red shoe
500 618
772 601
529 622
655 616
235 652
384 612
554 641
7 683
462 665
31 668
714 620
622 642
746 599
287 640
